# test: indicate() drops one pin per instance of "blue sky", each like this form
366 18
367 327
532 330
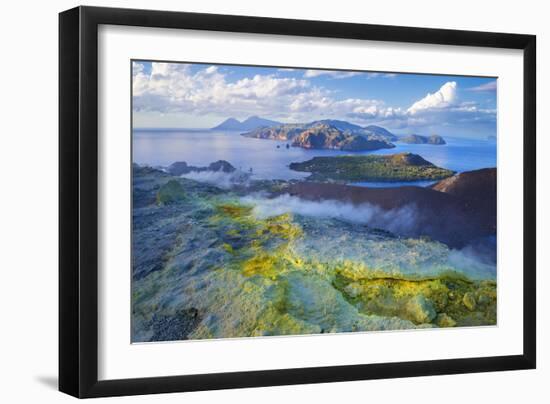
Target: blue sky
202 95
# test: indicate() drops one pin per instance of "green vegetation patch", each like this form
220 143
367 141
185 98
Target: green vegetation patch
394 167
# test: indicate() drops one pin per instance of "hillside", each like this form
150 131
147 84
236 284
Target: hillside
395 167
325 134
382 132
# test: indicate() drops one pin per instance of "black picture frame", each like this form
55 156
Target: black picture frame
78 201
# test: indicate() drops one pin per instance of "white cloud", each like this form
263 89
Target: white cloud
361 109
443 98
443 108
487 87
377 111
439 108
335 74
171 88
384 75
137 68
315 100
176 88
265 86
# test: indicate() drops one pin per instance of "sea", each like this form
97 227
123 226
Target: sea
270 159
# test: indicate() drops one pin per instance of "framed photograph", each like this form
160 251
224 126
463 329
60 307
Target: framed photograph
251 201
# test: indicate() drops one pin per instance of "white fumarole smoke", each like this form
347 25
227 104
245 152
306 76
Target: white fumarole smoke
219 179
400 221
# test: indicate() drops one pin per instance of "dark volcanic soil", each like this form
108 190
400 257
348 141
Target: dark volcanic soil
455 215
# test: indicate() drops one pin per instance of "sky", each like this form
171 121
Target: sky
185 95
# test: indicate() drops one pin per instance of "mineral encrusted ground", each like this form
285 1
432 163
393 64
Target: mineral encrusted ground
206 265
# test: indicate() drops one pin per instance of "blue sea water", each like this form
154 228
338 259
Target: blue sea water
162 147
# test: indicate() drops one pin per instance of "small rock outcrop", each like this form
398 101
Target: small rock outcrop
420 310
444 320
181 167
469 301
221 165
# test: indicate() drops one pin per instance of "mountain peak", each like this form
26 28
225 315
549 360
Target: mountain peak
250 123
229 124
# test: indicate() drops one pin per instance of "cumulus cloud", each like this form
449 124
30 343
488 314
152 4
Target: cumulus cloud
137 68
184 88
314 100
173 87
376 111
443 98
442 107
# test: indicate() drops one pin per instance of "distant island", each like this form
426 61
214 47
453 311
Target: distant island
419 139
324 134
327 134
250 123
393 167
